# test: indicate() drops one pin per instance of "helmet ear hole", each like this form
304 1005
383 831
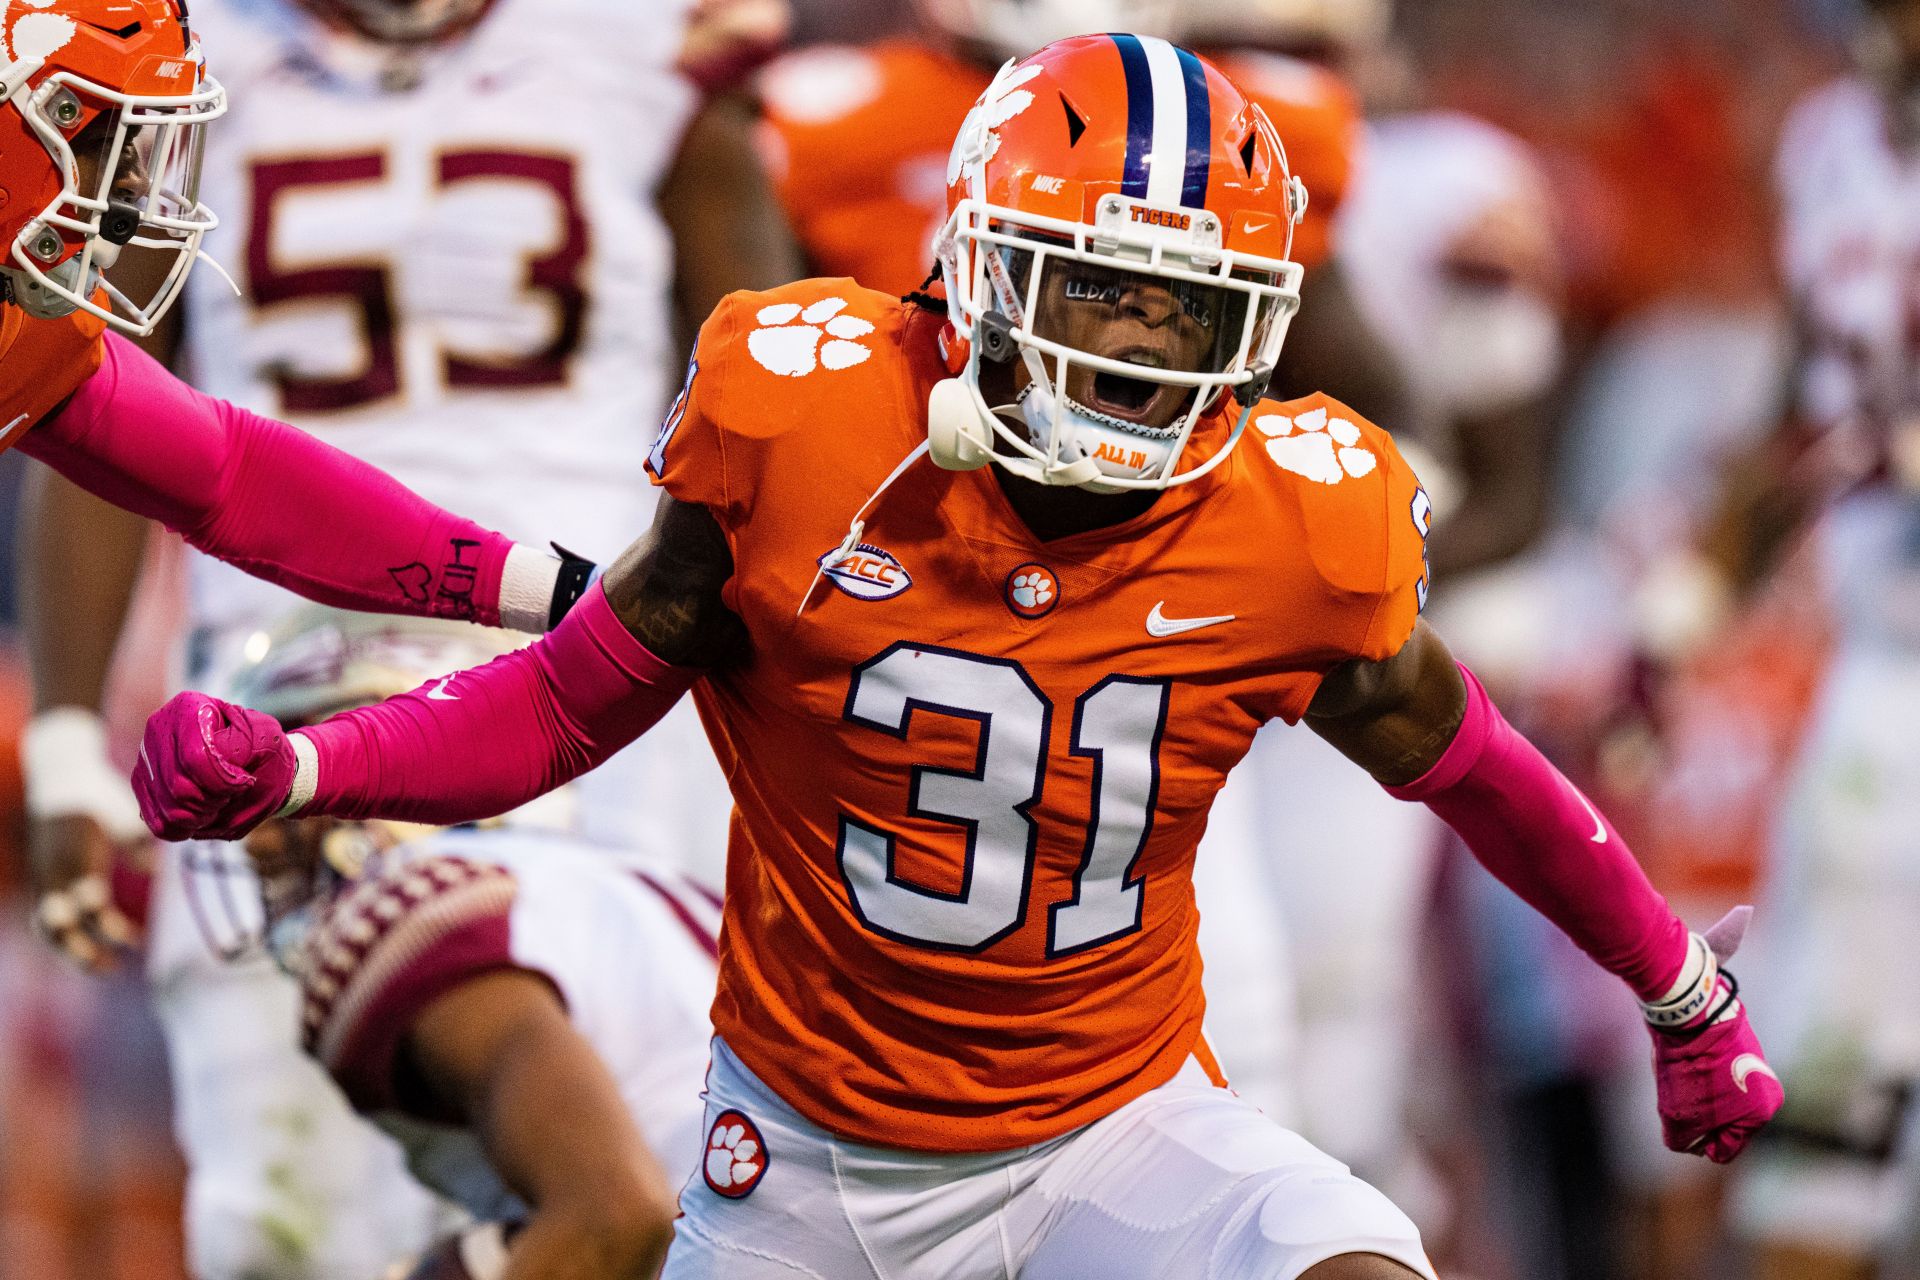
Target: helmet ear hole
956 437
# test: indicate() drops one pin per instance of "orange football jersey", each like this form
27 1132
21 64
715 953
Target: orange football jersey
857 143
971 772
42 362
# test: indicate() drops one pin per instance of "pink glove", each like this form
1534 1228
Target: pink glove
209 768
1715 1086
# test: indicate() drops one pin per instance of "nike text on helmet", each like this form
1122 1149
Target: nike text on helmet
1124 173
402 21
103 107
1015 28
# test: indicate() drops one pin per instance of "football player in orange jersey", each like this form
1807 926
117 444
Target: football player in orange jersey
858 139
974 734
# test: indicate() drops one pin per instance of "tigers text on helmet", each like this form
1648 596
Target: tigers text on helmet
1015 28
1110 176
401 21
319 662
103 104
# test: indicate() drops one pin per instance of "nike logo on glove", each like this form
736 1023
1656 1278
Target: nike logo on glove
1748 1064
1160 626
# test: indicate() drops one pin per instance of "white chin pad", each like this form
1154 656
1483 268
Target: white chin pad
1114 451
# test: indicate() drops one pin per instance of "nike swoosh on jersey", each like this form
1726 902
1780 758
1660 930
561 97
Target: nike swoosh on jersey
439 692
8 430
1748 1064
1160 626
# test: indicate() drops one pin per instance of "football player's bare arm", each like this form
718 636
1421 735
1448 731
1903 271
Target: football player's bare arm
78 559
616 663
497 1055
1394 718
1425 728
665 589
729 231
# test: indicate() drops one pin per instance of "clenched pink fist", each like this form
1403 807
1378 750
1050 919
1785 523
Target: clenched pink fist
210 769
1715 1086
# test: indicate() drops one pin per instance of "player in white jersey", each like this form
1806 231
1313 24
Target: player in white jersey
1828 1196
523 1011
452 266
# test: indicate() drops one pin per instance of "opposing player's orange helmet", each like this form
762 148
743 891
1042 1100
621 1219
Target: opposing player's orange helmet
115 81
1097 171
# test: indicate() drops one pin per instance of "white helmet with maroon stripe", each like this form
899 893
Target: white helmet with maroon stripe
320 662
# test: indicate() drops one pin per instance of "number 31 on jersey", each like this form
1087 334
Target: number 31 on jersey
1117 724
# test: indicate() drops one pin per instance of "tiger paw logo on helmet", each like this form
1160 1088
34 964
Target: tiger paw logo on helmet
736 1157
1314 446
789 340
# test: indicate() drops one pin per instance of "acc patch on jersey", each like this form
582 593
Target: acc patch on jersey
736 1157
867 572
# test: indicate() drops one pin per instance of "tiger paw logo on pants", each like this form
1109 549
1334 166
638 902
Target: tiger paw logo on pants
736 1157
789 341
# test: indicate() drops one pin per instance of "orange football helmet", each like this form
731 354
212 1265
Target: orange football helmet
1122 173
120 83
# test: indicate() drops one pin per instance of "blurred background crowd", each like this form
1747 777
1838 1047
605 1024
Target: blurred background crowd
1636 290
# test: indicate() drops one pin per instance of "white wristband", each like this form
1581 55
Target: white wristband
526 589
63 753
1691 992
306 775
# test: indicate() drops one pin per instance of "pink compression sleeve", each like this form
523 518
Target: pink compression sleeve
488 740
261 495
1540 837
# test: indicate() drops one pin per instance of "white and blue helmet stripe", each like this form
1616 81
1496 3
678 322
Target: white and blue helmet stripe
1168 122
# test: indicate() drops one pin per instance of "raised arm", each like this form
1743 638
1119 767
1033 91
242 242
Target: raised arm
285 506
477 743
1426 730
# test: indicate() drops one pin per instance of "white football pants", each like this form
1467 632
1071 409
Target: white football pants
1187 1181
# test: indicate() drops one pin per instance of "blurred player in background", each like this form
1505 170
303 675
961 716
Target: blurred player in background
858 139
523 1011
448 274
1833 1196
